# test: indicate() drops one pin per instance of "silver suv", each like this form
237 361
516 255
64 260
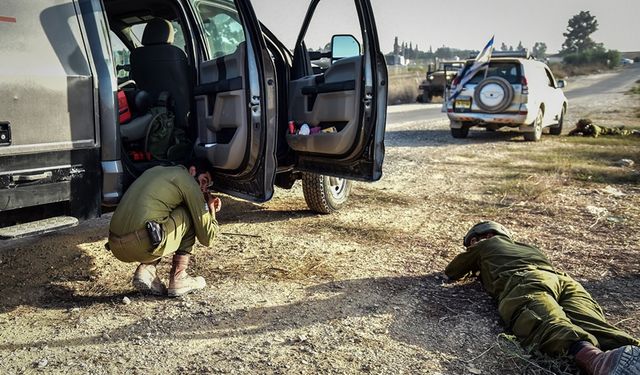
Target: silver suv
66 154
515 91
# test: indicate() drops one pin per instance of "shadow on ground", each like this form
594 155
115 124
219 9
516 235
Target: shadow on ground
236 211
442 137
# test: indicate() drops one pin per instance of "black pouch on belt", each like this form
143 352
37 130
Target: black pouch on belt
155 232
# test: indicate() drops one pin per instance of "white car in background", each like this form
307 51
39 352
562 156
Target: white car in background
514 91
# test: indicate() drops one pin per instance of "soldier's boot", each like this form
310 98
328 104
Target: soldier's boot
624 360
146 279
180 283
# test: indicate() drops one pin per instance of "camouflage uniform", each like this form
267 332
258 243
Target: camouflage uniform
587 128
545 309
171 197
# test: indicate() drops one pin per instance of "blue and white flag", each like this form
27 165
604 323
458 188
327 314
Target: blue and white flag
481 61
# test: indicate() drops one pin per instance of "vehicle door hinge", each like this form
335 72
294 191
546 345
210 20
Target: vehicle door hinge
254 104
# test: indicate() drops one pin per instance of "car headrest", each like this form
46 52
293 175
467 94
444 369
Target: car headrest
157 31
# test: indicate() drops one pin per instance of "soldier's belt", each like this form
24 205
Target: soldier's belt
140 237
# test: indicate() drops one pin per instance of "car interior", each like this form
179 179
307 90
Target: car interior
154 54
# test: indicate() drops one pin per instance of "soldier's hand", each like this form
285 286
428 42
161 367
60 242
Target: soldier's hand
214 203
217 204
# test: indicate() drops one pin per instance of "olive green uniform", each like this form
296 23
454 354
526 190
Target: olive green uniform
545 309
171 197
595 131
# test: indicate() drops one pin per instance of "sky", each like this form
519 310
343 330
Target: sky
464 24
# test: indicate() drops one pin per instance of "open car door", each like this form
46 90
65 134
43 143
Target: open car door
346 99
235 100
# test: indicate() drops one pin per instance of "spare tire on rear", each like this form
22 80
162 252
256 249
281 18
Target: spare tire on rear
493 94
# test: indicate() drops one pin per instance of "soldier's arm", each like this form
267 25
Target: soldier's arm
462 265
204 221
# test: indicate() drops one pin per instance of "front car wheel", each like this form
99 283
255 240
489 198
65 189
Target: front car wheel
325 194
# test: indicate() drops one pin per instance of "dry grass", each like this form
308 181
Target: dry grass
586 159
528 187
561 70
403 85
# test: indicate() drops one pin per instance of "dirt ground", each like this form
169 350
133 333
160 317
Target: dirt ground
359 291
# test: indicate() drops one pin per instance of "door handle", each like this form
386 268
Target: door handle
18 178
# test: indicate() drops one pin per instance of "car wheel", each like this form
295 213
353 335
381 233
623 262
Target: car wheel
536 134
325 194
462 132
493 94
557 129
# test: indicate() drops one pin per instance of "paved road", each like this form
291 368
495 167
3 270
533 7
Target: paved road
620 81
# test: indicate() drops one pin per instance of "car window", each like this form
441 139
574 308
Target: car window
507 70
121 55
178 36
318 36
550 81
224 31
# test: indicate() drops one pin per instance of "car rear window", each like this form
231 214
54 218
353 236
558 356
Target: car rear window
507 70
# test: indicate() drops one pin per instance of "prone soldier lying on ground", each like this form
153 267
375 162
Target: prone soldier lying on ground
546 309
587 128
161 214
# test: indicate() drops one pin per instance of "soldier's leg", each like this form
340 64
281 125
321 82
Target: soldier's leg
146 280
180 240
532 312
585 312
179 232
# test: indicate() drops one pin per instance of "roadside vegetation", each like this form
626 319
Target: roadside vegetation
403 84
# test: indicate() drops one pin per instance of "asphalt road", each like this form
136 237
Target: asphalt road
619 81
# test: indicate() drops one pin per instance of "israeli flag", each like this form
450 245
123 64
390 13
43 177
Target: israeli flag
481 61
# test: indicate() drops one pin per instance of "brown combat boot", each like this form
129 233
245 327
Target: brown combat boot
624 360
146 280
180 283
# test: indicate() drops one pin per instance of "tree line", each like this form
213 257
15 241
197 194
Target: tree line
578 48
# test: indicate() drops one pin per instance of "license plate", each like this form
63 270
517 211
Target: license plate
463 103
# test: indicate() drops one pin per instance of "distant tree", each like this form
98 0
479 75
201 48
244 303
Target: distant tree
396 46
504 47
520 47
510 48
578 35
539 50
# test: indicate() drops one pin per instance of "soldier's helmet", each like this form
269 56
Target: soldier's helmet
485 227
583 122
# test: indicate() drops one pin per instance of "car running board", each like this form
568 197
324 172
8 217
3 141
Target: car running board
37 227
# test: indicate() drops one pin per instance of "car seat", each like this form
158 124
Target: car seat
159 66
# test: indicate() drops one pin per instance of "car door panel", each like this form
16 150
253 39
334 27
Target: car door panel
221 109
328 100
235 102
350 95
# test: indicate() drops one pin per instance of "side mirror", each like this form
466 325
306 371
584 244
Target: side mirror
344 46
561 83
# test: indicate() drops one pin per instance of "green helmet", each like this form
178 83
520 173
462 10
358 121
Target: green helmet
485 227
583 122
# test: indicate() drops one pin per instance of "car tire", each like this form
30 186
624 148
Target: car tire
325 194
486 92
557 129
462 132
536 134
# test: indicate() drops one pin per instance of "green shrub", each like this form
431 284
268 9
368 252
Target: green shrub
610 58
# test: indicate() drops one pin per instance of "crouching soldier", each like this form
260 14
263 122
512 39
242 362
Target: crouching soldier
161 214
546 309
587 128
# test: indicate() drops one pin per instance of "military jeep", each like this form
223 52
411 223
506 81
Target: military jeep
438 79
